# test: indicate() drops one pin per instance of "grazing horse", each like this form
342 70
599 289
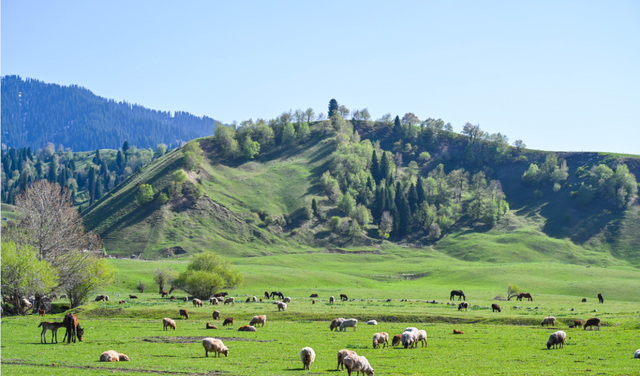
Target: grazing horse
73 327
266 294
276 293
457 293
600 298
525 295
53 326
343 297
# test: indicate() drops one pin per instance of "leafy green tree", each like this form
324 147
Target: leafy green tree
206 274
304 132
192 155
386 225
347 204
225 138
145 194
94 273
161 149
532 176
250 148
519 145
334 223
288 134
362 215
163 198
309 114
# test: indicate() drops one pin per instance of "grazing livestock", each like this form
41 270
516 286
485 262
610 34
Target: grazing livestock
216 315
372 322
266 294
525 295
276 293
397 339
380 338
221 294
99 298
314 296
600 298
228 321
53 326
231 300
122 302
332 299
261 319
636 355
358 364
168 323
464 305
113 356
132 296
214 301
592 322
335 323
349 323
41 312
282 306
254 299
548 321
63 296
286 300
308 356
557 339
422 338
495 307
584 300
455 331
185 299
74 330
457 293
197 303
209 326
409 339
173 297
343 354
578 323
248 300
247 328
313 301
214 345
343 297
164 293
184 313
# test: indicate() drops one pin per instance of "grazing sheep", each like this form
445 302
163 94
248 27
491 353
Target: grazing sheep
214 301
133 297
592 322
254 299
548 321
220 299
313 301
457 331
379 338
106 298
214 345
167 322
372 322
113 356
397 339
231 300
584 300
122 302
495 307
248 300
228 321
314 296
209 326
636 355
343 354
99 298
308 356
356 363
332 300
173 297
63 296
216 315
349 323
185 299
464 305
197 303
335 323
422 338
247 328
282 306
578 323
409 339
184 313
286 300
557 339
261 319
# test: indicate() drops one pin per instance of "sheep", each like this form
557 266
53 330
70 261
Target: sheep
185 299
214 345
286 300
358 364
332 300
183 312
122 302
548 321
132 296
457 331
164 293
495 307
308 356
372 322
592 322
99 298
167 322
248 300
335 323
349 323
254 299
282 306
63 296
173 297
228 321
231 300
113 356
261 319
216 315
557 339
578 323
422 338
213 300
397 339
314 296
247 328
584 300
464 305
636 355
209 326
26 303
106 298
343 354
409 339
197 303
313 301
379 338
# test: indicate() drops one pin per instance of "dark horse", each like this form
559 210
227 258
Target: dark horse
343 297
276 293
457 293
600 298
525 295
73 327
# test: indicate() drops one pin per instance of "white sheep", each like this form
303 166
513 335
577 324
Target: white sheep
422 338
168 323
308 356
113 356
261 319
343 354
380 338
214 301
286 300
372 322
214 345
636 355
332 299
231 300
349 323
282 306
548 321
409 339
557 339
357 364
254 299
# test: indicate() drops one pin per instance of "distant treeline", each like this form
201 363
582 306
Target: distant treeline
35 113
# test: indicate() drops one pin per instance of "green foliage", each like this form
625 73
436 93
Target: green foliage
225 138
288 134
161 149
198 191
333 107
334 223
206 274
424 157
314 206
93 274
145 194
250 148
192 155
178 176
347 204
163 198
304 132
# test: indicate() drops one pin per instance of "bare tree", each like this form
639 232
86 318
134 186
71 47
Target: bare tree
163 278
512 290
344 111
309 113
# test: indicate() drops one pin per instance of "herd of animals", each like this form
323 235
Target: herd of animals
409 338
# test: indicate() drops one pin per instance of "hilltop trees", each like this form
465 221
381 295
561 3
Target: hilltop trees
206 274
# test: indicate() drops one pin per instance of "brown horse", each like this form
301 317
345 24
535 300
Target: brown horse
73 327
525 295
53 326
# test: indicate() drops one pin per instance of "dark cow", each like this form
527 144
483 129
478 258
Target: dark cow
525 295
221 294
457 293
266 294
133 297
495 307
600 298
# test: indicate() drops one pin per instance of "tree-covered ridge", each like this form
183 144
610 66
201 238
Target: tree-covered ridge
35 113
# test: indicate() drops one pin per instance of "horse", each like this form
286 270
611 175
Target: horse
343 297
266 294
276 293
53 326
600 298
457 293
525 295
73 327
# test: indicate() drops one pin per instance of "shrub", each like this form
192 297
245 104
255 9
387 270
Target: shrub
334 223
145 194
538 193
141 286
163 198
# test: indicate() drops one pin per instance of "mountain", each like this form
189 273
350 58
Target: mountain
35 113
477 198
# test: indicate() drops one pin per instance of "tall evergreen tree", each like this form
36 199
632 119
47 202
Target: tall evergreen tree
119 160
398 131
375 167
404 213
413 198
314 206
420 191
53 170
333 107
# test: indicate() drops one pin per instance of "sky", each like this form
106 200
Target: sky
559 75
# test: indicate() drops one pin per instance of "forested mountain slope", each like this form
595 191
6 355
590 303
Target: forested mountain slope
290 185
35 113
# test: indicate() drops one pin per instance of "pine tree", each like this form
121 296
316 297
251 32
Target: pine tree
404 213
119 160
96 159
314 206
420 191
398 131
53 170
379 203
375 167
413 198
333 107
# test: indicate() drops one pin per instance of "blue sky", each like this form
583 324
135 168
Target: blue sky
560 75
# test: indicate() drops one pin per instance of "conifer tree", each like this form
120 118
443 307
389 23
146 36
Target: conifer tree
420 191
375 167
413 198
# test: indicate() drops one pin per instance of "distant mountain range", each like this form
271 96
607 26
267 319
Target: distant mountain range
35 113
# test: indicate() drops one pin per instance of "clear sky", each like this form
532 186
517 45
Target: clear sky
560 75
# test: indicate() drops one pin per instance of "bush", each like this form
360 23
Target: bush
206 274
334 223
141 286
538 193
163 198
198 191
145 194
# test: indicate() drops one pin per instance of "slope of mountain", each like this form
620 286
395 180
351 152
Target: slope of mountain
35 113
